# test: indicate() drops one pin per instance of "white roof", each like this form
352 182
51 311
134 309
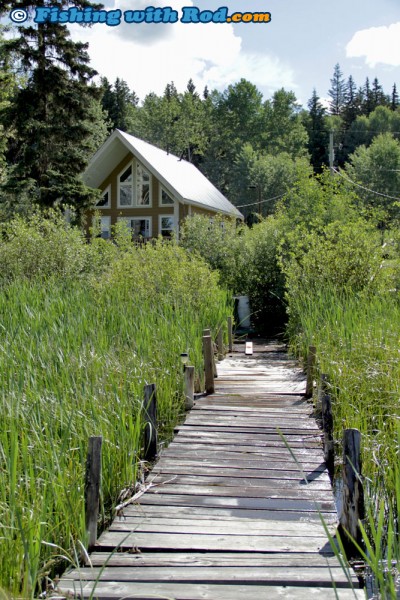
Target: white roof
179 177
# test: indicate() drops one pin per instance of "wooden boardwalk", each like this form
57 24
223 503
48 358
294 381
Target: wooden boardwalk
228 513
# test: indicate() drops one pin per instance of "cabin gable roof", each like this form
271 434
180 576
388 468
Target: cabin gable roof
180 178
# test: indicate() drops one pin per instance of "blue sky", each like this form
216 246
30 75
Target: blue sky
297 50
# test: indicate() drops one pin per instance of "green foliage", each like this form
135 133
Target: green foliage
178 123
120 104
377 168
41 247
365 128
262 178
56 117
77 345
217 240
246 259
343 256
262 274
318 137
282 128
337 92
313 202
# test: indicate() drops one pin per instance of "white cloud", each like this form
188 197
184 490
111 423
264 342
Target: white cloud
210 54
377 45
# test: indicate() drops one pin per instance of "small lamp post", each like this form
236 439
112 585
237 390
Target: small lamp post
184 359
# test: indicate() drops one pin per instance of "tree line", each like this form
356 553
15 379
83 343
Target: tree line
53 117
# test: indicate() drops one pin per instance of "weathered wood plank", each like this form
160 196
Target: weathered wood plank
228 429
260 528
256 441
216 559
243 469
272 412
248 503
203 591
233 543
212 512
222 575
272 492
242 482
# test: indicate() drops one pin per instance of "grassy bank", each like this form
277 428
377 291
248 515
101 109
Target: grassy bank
75 353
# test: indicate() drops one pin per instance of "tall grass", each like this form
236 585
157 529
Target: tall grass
75 353
357 336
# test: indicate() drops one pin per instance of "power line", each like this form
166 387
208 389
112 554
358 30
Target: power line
365 188
261 201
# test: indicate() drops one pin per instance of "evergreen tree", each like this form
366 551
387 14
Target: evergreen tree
378 96
191 88
337 92
119 103
125 104
351 108
394 98
56 116
318 136
368 101
8 85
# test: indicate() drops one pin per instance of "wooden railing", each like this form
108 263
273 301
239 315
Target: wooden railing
352 500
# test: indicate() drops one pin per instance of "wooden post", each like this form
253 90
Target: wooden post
230 336
205 333
208 363
312 351
92 488
353 492
150 431
327 425
220 344
322 390
189 387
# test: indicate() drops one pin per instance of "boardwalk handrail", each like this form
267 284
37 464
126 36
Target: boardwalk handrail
353 509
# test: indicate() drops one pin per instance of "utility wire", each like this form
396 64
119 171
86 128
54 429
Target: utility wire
363 187
262 201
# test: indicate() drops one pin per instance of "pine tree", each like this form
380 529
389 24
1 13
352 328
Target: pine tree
394 103
318 136
351 108
125 103
57 119
191 88
378 96
337 92
368 101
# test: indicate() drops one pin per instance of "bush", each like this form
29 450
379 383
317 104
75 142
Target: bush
344 258
41 245
262 274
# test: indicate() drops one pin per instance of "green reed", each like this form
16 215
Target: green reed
75 353
358 345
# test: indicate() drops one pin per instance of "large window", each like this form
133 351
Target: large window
140 226
105 199
126 188
167 225
134 187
